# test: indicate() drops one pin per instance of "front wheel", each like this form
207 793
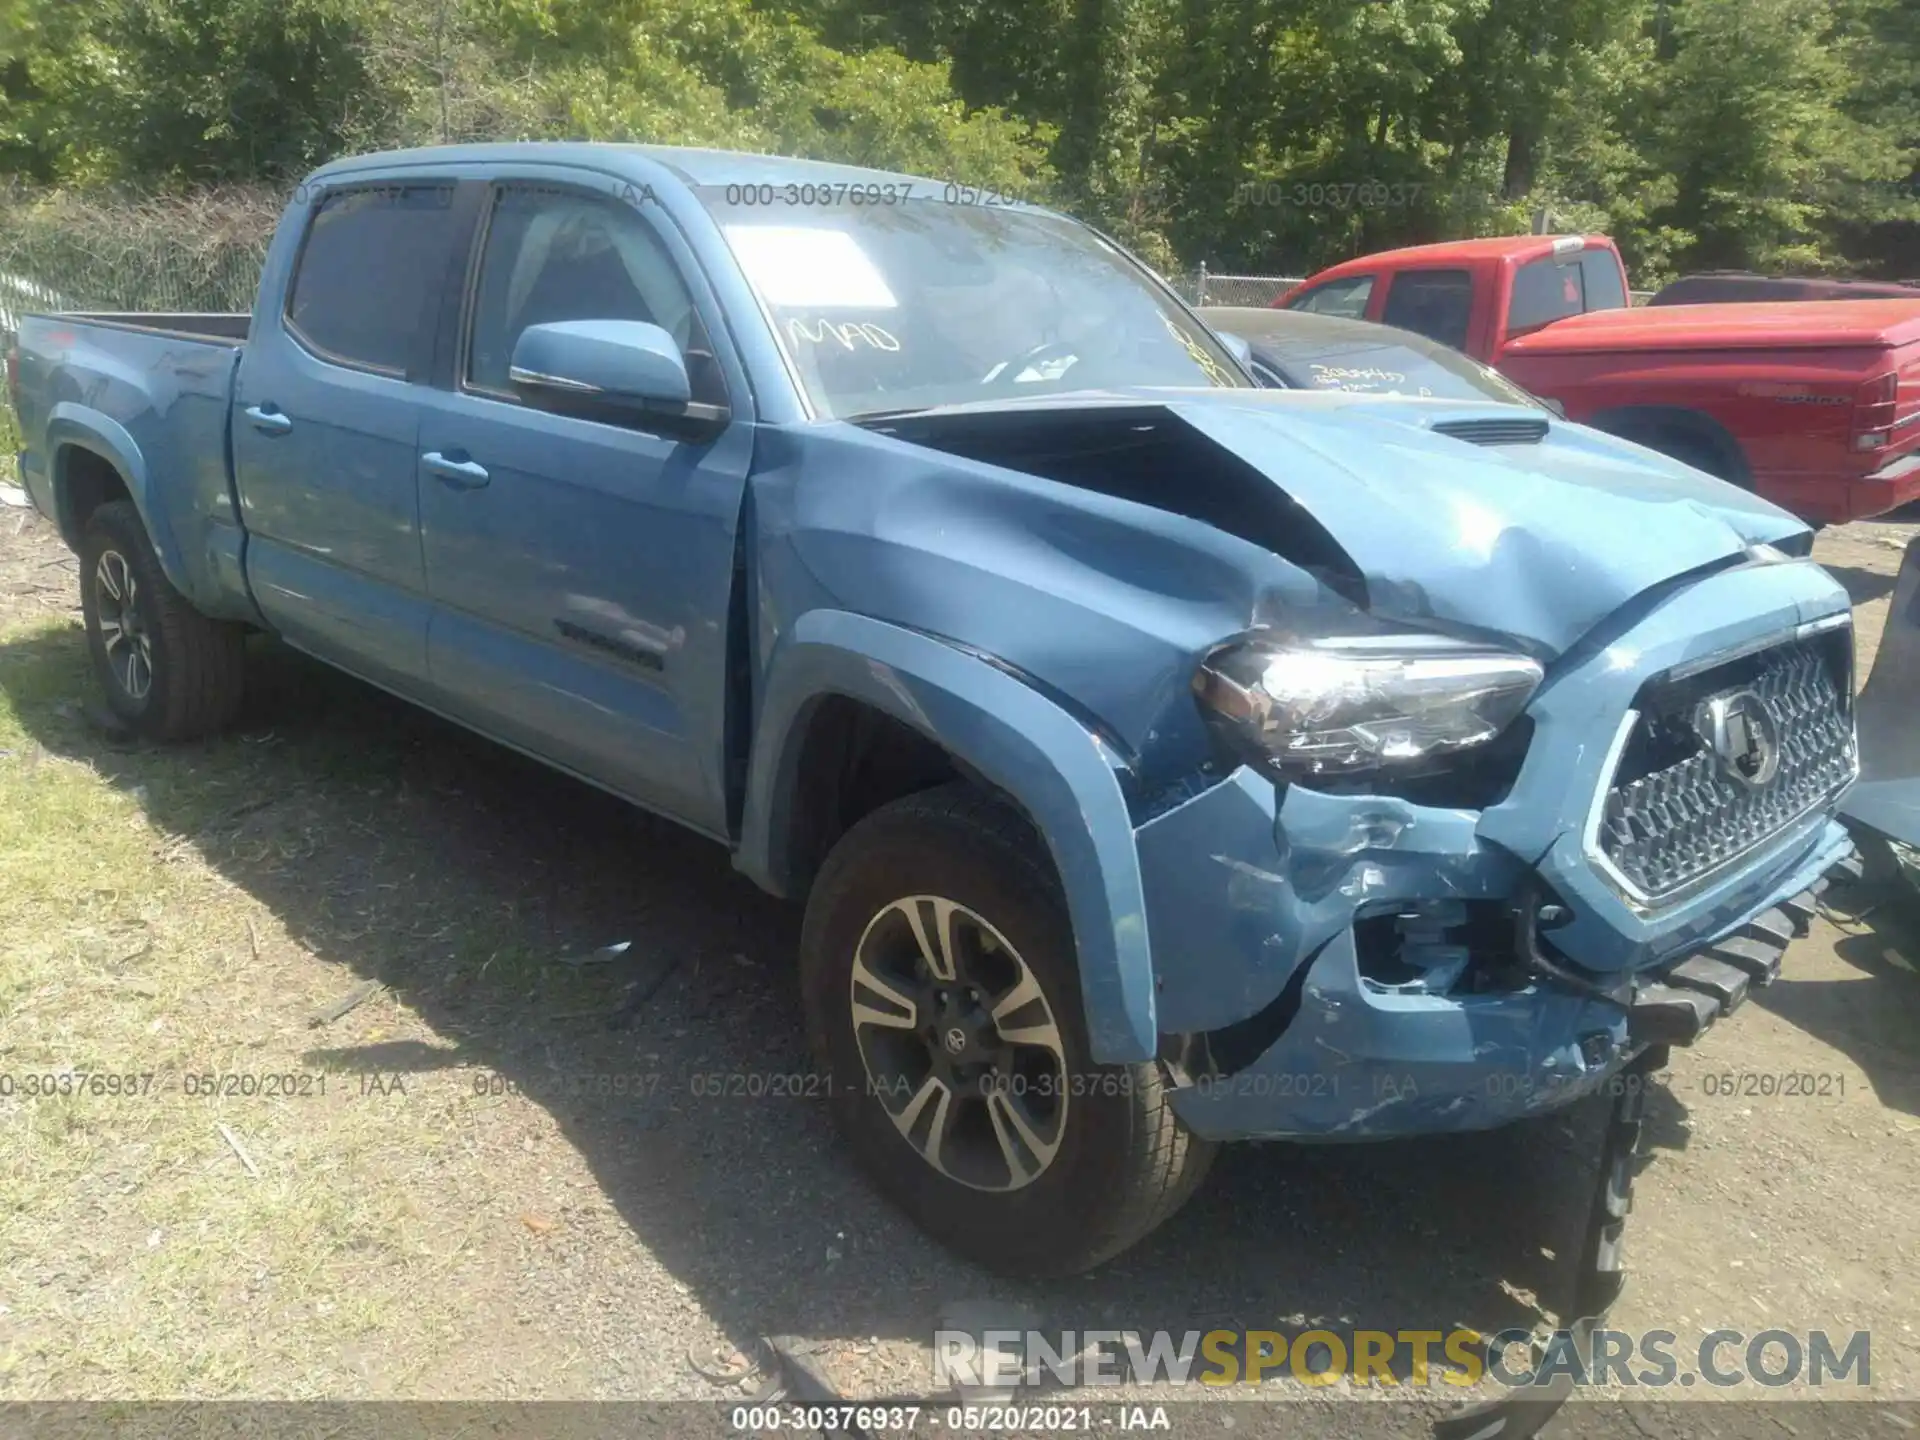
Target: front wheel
169 672
943 1002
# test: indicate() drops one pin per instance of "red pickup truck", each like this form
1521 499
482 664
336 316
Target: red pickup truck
1815 407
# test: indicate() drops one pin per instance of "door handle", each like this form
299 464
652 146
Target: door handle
460 474
269 422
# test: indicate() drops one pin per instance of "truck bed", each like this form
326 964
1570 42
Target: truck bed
220 327
1778 325
142 395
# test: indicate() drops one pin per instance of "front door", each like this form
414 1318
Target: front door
581 571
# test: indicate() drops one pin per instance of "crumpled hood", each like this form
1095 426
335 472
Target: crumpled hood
1537 541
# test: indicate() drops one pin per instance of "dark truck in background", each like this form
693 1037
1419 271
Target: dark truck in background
1720 287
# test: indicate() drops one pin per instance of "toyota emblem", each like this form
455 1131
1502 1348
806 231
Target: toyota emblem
1738 728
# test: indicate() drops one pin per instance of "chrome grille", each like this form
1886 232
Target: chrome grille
1673 813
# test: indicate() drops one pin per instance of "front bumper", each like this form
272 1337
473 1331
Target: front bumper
1271 1028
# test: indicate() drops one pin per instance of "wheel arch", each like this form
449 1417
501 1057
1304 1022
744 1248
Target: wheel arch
93 461
1649 424
945 714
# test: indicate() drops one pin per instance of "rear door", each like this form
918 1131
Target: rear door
1436 303
325 423
582 570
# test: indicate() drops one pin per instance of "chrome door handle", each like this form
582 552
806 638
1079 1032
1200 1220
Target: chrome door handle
269 422
461 474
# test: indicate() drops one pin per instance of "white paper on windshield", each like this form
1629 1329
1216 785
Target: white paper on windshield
791 265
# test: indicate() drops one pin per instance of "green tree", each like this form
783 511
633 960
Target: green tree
1752 118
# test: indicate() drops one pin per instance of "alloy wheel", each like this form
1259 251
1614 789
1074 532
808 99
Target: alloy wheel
960 1045
123 631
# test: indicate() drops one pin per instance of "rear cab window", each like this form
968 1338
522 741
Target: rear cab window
369 278
1346 298
1435 303
1557 286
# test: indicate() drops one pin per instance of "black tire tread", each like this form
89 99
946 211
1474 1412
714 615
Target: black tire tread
206 658
1164 1161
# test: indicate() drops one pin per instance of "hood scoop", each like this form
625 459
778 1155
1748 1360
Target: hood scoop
1520 431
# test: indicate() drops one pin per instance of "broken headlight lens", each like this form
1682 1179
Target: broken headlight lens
1361 703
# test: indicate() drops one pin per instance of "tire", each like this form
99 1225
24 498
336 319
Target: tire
1691 450
1110 1159
169 672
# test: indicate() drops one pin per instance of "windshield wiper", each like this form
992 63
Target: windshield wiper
862 417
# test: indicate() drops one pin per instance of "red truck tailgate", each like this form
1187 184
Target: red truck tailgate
1887 415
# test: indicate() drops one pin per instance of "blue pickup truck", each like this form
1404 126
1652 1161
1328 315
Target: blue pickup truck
1162 760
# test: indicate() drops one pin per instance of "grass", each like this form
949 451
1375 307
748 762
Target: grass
159 919
120 960
10 442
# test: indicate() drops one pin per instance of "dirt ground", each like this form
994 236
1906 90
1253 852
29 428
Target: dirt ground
506 1172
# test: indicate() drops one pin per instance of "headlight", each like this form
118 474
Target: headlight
1362 703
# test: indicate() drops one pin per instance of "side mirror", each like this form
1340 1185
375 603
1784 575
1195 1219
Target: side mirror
1242 351
598 364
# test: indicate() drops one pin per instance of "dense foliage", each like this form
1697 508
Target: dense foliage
1252 134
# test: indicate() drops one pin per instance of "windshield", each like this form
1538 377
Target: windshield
918 302
1366 358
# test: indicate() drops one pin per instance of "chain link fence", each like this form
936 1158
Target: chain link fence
1201 286
63 251
68 251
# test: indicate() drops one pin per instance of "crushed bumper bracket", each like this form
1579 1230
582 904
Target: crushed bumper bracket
1675 1006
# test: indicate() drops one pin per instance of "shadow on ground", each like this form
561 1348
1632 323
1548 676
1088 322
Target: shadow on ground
404 850
1862 584
1873 1018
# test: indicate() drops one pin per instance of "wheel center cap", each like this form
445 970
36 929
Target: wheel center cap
961 1033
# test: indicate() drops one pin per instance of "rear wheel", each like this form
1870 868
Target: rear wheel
1694 451
943 1001
168 671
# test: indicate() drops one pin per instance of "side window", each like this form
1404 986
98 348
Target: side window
1434 303
371 273
1544 291
1600 273
1346 298
555 255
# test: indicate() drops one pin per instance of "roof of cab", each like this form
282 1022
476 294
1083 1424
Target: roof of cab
693 166
1519 248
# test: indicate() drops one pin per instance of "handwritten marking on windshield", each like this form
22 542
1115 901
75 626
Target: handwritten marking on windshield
1371 375
1361 382
1209 367
850 334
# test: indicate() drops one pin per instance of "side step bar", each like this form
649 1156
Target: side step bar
1676 1005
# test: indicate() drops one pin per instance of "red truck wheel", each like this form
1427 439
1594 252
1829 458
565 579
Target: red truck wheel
168 671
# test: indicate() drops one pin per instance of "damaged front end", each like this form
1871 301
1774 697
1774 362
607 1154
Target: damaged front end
1464 765
1357 957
